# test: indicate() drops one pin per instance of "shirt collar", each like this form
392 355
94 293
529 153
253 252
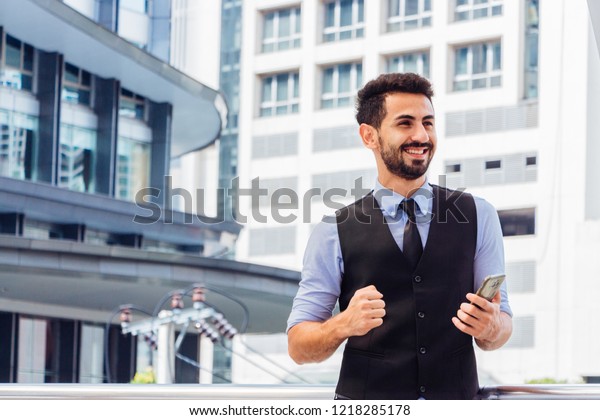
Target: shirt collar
389 200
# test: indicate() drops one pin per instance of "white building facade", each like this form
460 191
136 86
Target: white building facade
516 93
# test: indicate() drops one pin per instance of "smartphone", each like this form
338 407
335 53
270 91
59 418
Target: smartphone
490 286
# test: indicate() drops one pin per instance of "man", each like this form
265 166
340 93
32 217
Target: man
403 262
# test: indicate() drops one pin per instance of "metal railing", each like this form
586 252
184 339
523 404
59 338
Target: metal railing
164 392
261 392
541 392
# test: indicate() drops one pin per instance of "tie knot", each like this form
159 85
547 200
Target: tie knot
409 207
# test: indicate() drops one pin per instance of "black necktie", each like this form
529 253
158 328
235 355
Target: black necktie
412 246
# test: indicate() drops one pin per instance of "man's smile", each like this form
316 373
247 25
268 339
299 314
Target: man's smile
417 151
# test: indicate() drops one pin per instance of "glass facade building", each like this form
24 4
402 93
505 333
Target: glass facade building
231 48
80 137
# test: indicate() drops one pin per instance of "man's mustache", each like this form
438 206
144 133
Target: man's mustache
427 144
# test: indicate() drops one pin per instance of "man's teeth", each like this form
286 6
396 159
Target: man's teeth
415 151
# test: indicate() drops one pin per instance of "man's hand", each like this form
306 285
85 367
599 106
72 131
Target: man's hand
483 320
365 311
311 341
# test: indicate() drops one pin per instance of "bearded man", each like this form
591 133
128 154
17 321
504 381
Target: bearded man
403 262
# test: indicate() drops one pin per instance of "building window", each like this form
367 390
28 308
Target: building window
344 19
493 164
453 168
336 138
521 276
275 145
531 49
132 105
139 6
415 62
91 362
280 94
46 349
32 361
476 9
517 222
16 63
340 84
133 167
408 14
18 145
531 161
77 85
478 66
281 30
77 158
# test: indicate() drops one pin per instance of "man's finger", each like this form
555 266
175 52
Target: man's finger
478 300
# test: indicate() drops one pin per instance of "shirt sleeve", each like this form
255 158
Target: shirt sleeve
321 276
489 255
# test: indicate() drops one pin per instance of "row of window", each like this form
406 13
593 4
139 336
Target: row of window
497 170
17 71
19 145
78 89
324 139
19 225
345 19
52 350
476 66
19 133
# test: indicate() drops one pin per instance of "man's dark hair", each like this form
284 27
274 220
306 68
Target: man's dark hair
370 103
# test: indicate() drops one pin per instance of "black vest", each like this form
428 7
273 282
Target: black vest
417 351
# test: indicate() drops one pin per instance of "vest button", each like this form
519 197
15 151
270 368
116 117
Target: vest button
422 350
422 389
421 315
418 279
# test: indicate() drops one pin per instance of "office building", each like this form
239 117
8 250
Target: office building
91 117
516 87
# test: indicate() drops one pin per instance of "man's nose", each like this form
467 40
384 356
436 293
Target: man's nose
420 133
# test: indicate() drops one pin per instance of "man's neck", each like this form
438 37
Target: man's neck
402 186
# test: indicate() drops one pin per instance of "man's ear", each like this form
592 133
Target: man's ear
369 136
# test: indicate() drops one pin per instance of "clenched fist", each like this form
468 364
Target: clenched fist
364 312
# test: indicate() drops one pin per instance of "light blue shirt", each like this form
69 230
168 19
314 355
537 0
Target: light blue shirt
323 265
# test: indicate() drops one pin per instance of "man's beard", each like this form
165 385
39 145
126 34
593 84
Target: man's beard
395 163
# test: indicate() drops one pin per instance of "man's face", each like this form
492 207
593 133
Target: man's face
407 138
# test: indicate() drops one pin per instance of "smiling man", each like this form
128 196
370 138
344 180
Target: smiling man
403 262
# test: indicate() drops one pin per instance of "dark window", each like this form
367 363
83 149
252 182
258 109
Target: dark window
517 222
13 52
71 73
454 168
186 373
27 57
121 355
8 332
11 224
493 164
77 85
16 61
131 105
